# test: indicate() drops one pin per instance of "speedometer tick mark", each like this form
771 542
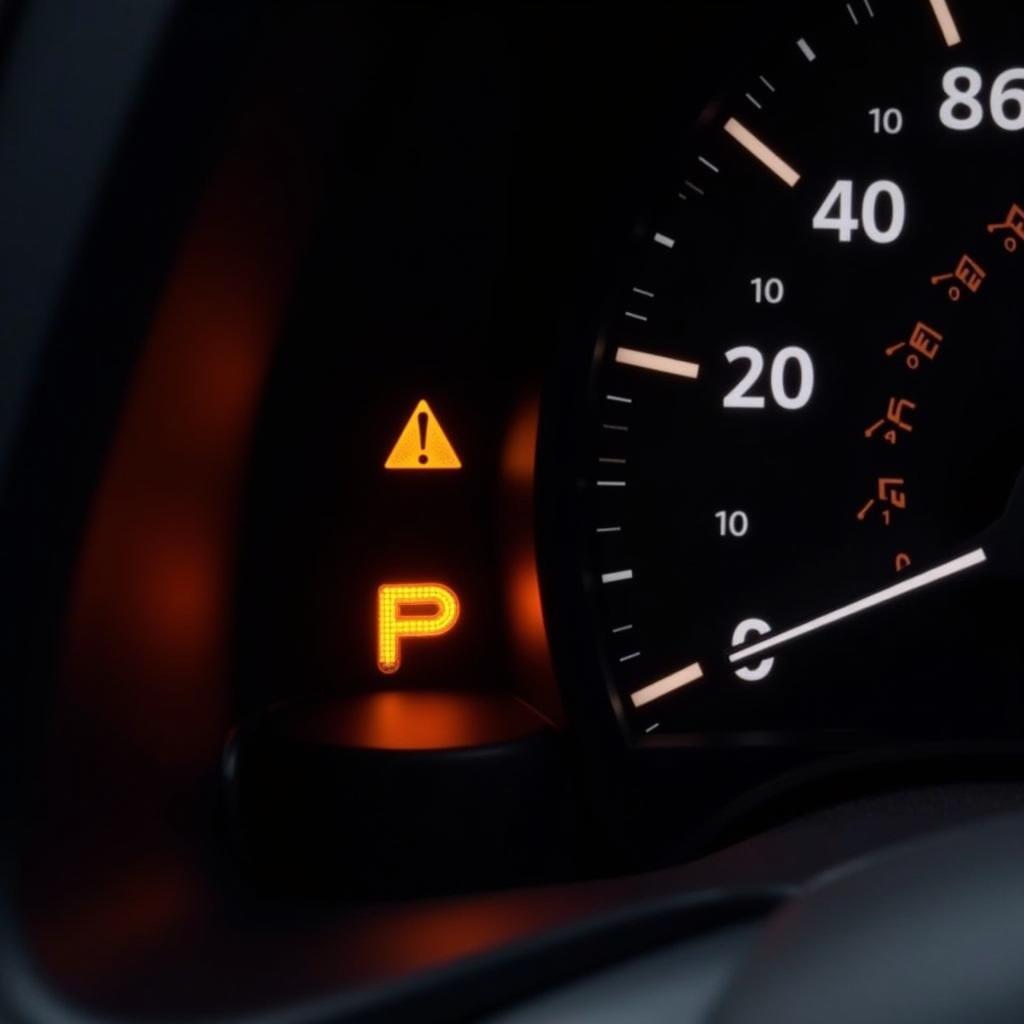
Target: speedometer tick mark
707 163
669 243
622 576
753 145
636 316
659 364
944 15
752 100
619 398
806 50
642 291
663 687
690 185
768 85
629 657
853 14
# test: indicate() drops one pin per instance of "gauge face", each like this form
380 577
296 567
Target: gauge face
805 416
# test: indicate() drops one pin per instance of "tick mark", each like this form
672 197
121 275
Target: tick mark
946 22
659 364
663 687
753 145
623 576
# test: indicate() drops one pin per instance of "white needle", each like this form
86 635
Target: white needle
924 579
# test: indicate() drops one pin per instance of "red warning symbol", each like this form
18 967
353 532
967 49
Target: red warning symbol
423 444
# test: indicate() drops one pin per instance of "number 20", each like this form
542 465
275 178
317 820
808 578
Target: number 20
740 397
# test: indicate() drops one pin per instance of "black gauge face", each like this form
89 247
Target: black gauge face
806 416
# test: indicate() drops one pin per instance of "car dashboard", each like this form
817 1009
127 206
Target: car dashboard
509 511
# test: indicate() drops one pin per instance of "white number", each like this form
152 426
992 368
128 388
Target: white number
770 290
962 109
806 376
898 210
841 198
844 222
961 86
1003 96
732 524
741 634
889 121
740 397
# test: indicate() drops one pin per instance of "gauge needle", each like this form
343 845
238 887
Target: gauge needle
907 586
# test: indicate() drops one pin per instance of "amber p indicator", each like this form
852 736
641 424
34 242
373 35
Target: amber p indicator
411 611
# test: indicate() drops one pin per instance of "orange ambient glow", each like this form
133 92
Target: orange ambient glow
145 685
411 611
528 645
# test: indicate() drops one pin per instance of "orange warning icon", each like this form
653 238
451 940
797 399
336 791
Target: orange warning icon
423 444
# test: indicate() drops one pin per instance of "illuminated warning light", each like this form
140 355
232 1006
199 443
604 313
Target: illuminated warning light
411 611
423 444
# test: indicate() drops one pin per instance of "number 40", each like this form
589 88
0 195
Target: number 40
836 213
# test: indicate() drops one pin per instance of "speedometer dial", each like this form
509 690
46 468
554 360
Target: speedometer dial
804 423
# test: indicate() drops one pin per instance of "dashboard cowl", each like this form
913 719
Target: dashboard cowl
931 933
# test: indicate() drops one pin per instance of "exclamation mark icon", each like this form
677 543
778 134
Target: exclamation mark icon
423 444
423 419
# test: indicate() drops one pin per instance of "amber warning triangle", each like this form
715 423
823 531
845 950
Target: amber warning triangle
423 444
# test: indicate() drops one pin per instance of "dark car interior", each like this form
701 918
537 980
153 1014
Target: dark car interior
511 512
